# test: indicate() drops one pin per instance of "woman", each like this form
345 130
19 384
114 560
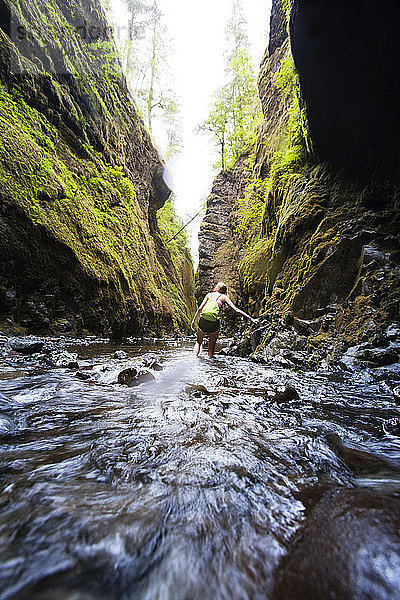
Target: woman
209 321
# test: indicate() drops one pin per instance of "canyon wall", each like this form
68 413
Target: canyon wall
81 183
312 219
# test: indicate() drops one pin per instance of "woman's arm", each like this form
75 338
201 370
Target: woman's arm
229 302
196 316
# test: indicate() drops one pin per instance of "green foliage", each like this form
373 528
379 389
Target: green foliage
176 243
254 266
169 225
291 151
287 154
146 55
235 110
251 209
86 204
287 7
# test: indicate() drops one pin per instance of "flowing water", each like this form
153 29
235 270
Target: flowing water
162 491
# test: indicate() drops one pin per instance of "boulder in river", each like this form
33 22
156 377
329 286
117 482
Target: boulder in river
349 550
198 390
378 357
64 359
282 394
82 375
120 354
26 345
132 377
151 362
360 458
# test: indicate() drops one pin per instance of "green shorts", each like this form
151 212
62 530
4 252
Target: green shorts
208 326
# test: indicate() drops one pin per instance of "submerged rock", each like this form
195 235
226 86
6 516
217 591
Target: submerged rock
26 345
132 377
120 354
6 424
360 458
198 390
282 394
349 550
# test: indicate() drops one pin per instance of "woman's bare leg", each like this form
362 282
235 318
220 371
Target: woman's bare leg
211 343
197 346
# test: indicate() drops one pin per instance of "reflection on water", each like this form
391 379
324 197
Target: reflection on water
163 491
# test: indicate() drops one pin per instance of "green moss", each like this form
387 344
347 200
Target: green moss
181 275
87 204
269 211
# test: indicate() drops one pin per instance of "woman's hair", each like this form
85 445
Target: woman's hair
221 287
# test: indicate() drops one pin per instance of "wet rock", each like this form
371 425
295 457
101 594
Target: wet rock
198 390
281 361
283 394
82 376
259 360
226 351
7 299
391 426
26 345
373 256
63 359
392 333
379 357
360 458
132 377
333 280
155 366
53 345
151 362
396 392
6 424
305 327
120 354
63 325
143 377
349 550
127 376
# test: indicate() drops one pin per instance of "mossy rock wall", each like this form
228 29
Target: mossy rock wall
81 183
309 235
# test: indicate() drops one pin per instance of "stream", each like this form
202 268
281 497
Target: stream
189 486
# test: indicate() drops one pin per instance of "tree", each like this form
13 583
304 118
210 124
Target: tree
146 56
218 122
235 108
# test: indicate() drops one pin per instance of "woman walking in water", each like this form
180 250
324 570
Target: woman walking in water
209 321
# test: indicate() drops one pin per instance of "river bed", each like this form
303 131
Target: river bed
189 486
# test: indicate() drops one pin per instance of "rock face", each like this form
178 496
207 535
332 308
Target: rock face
217 252
352 105
81 181
323 175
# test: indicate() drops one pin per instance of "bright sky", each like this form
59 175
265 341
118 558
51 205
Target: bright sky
198 33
